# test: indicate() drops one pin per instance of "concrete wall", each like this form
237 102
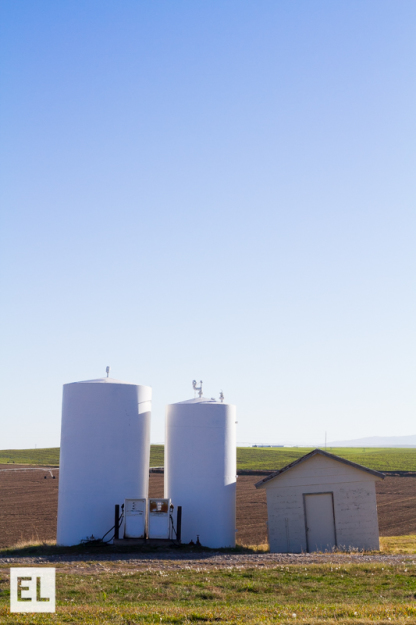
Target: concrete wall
355 507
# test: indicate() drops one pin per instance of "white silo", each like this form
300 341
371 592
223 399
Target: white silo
105 451
200 469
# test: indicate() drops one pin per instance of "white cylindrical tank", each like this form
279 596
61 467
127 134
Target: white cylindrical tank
200 469
105 452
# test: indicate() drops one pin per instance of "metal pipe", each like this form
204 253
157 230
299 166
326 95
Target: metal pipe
179 524
116 521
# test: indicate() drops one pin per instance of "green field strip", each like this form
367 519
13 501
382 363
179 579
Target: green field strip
249 458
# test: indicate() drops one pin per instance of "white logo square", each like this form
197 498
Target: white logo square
32 589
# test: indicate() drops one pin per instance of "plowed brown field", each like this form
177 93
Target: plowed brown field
28 506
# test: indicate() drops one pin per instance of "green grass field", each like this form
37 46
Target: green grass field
43 457
50 456
116 593
250 458
393 459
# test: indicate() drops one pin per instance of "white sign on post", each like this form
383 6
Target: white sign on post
32 589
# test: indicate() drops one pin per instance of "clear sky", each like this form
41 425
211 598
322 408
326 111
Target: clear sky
222 191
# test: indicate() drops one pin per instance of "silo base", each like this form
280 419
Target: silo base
143 542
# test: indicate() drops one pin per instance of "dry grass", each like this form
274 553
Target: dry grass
388 545
33 541
398 544
263 548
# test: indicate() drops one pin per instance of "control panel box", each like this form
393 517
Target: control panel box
159 518
135 518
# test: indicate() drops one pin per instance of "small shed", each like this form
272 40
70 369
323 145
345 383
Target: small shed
320 502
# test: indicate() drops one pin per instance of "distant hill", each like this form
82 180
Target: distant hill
378 441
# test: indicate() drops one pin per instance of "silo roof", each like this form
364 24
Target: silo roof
200 400
103 381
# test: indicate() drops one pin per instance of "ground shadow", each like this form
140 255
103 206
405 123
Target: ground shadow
102 552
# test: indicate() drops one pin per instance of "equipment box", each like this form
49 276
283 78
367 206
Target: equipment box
135 518
159 521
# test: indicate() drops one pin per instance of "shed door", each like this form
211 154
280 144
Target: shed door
320 522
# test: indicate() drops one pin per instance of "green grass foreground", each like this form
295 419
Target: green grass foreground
351 593
250 458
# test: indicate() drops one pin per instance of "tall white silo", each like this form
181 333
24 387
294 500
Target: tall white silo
200 469
105 452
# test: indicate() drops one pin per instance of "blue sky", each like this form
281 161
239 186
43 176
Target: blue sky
214 190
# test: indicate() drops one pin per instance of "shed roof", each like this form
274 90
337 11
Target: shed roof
315 452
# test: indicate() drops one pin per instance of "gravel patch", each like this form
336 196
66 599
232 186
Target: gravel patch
199 562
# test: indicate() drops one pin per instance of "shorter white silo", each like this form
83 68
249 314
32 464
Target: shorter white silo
105 451
200 469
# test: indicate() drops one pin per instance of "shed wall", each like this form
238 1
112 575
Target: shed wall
355 506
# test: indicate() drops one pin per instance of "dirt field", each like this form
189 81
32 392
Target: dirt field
28 506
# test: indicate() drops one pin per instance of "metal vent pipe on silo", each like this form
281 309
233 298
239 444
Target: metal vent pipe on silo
200 469
105 452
